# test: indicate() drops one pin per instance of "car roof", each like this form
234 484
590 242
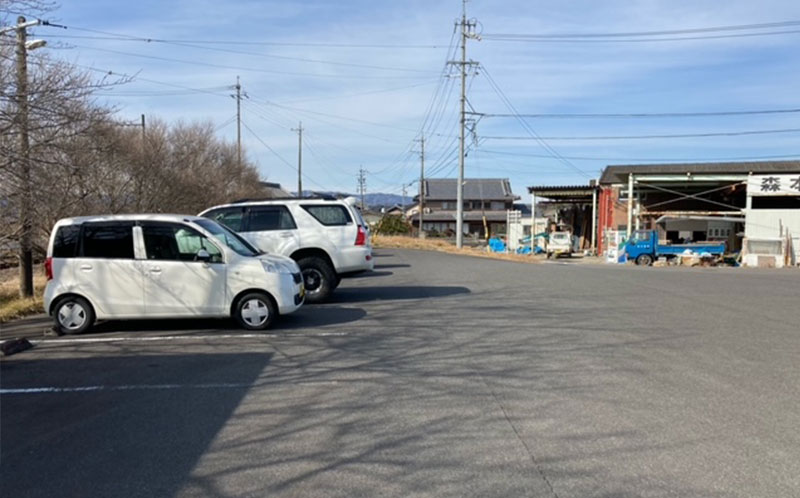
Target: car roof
129 217
267 202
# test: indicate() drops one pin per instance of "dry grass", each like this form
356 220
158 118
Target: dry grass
11 305
400 242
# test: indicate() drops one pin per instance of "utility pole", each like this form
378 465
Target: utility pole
467 31
238 122
143 130
299 131
26 203
421 233
362 185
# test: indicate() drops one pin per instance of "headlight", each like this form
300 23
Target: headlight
277 267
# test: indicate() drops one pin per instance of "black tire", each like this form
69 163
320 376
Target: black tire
318 277
72 315
255 311
644 260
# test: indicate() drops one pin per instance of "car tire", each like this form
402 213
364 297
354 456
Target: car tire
72 315
255 311
644 260
318 277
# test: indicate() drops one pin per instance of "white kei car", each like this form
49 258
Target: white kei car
163 266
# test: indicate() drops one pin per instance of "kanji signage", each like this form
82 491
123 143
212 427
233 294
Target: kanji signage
758 185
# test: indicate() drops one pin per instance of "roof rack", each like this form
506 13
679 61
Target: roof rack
324 197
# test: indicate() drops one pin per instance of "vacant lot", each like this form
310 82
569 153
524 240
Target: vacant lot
436 375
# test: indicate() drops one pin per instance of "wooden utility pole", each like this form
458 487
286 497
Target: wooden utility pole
299 131
26 202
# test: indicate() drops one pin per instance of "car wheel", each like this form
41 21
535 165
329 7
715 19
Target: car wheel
255 311
318 277
73 315
644 260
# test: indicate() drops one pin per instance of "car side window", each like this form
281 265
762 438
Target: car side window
107 240
230 217
263 218
329 215
65 242
175 242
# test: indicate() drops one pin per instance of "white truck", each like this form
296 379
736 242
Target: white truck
559 244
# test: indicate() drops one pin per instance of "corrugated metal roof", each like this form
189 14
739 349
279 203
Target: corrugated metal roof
444 189
619 173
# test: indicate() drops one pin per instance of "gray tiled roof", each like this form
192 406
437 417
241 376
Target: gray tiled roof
490 189
619 174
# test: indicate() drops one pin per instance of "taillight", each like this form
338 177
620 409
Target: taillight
361 238
48 268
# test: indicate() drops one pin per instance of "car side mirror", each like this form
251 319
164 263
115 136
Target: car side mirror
202 255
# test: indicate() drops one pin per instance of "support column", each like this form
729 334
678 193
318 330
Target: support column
594 222
630 207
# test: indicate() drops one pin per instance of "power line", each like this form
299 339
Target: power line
540 140
241 68
642 114
639 137
640 40
322 44
710 29
647 159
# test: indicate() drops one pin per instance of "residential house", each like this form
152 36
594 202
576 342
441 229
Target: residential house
484 199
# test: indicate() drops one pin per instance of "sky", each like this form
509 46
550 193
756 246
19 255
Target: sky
368 78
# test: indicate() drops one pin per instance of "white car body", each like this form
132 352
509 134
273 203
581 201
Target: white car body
559 243
144 287
327 229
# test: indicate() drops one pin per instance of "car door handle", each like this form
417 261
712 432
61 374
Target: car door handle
86 267
286 235
155 269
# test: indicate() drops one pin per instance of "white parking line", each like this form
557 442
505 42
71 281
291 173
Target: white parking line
88 340
134 387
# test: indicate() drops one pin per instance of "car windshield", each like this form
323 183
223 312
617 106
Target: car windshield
229 238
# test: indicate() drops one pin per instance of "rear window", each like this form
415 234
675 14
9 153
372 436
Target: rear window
331 215
65 243
114 241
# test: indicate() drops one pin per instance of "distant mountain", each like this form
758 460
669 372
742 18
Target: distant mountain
379 200
375 201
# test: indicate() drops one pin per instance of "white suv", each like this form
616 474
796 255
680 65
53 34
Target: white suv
327 237
162 266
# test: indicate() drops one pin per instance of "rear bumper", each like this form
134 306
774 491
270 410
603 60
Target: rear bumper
355 259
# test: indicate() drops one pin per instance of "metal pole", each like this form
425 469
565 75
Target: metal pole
594 221
26 204
299 131
143 129
421 233
630 207
460 186
238 122
533 219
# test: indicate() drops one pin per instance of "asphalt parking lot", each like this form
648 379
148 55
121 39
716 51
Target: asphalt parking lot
436 375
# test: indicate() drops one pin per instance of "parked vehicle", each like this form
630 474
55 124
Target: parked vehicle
643 247
559 244
327 237
162 266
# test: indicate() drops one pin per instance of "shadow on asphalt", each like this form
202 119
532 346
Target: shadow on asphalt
399 265
369 274
142 441
394 293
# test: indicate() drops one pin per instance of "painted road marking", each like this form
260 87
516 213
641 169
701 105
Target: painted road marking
147 387
89 340
79 389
